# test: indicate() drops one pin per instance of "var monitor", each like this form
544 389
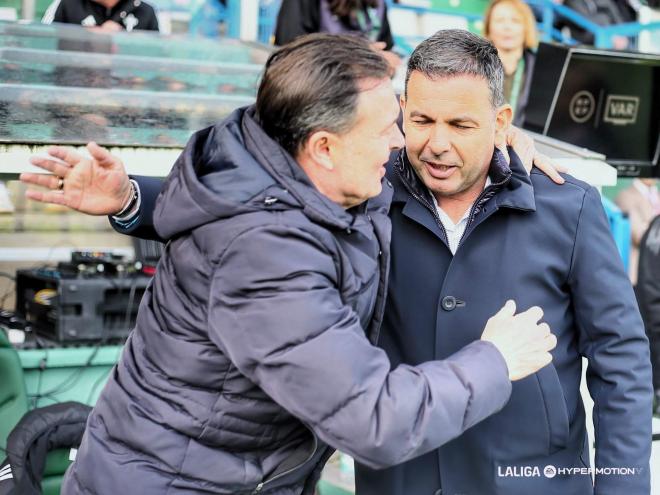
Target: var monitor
602 100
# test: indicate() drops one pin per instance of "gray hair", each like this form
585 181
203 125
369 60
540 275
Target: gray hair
312 84
455 52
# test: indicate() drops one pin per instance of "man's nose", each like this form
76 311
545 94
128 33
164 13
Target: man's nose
438 141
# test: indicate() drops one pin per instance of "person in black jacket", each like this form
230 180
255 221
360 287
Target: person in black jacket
648 296
366 18
103 15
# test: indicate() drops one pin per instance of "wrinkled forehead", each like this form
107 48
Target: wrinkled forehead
377 99
443 85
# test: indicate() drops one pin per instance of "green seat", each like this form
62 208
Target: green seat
13 395
40 7
13 405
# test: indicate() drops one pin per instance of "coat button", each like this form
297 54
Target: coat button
438 492
448 303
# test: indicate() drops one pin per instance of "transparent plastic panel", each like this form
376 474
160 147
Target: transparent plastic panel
65 37
65 115
62 84
92 70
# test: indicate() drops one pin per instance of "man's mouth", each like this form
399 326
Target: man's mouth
439 170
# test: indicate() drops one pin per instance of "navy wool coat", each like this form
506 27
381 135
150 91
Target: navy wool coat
540 244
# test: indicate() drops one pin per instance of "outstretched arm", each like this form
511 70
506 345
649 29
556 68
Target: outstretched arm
96 185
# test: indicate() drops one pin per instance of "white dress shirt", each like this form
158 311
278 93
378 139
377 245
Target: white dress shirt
455 231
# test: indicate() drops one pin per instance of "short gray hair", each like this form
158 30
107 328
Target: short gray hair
455 52
313 83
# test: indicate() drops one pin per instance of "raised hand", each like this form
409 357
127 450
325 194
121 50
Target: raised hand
523 145
97 186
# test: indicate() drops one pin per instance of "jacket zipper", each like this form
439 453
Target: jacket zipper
261 485
434 212
476 203
425 203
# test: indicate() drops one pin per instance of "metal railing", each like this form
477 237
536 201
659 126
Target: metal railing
602 34
214 12
550 12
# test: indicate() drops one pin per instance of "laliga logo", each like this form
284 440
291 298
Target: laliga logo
550 471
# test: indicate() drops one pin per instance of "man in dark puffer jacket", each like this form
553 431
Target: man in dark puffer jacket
253 350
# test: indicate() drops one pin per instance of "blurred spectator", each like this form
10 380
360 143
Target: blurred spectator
648 295
641 202
103 15
603 13
511 26
364 17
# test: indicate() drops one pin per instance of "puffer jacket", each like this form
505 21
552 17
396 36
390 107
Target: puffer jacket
648 293
253 353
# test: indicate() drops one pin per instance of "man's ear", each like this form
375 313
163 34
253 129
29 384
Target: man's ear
318 149
503 119
402 104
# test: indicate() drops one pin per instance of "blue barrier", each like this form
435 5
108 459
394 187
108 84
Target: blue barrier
268 10
620 227
393 7
602 34
233 18
205 19
549 11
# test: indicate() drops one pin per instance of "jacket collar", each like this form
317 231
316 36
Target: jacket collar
512 186
518 193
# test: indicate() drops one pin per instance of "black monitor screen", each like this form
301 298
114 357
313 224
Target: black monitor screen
607 102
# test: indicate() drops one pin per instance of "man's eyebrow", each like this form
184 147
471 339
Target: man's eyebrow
417 113
462 118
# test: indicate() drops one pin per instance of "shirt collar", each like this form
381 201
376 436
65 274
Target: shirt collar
446 220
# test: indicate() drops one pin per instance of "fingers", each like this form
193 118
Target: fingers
545 360
508 310
544 329
533 314
65 154
549 168
523 145
541 339
526 155
55 197
503 149
56 167
42 180
101 155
